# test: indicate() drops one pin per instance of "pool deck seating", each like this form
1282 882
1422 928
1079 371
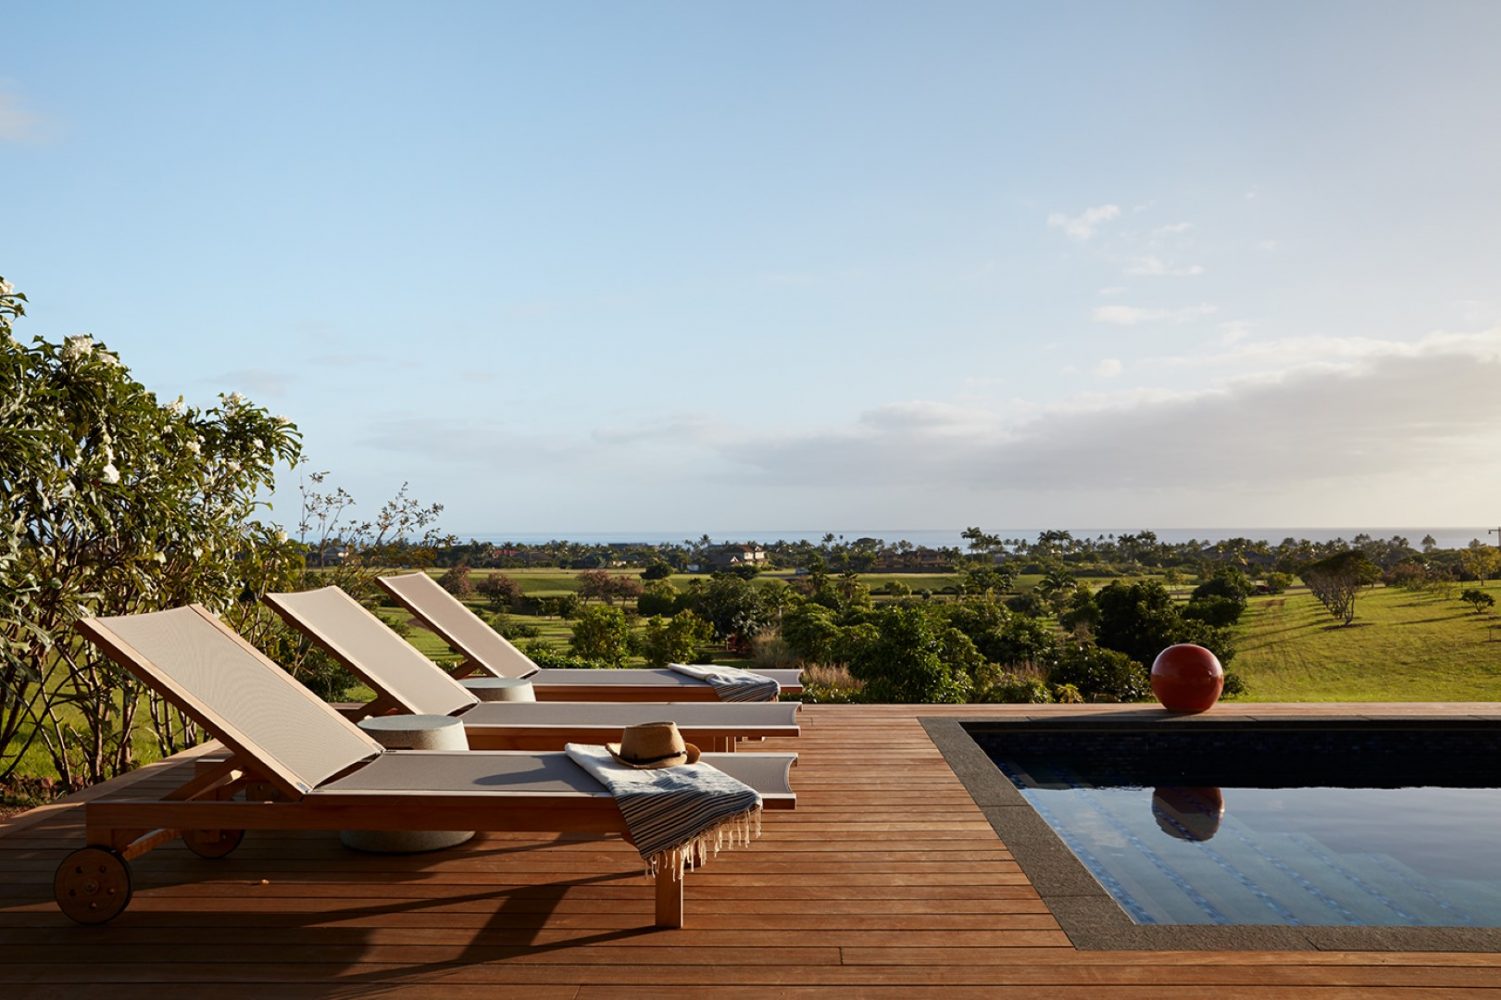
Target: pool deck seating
887 881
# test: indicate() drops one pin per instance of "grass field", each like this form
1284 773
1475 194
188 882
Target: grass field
1401 647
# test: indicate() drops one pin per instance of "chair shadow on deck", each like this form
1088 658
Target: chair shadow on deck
521 914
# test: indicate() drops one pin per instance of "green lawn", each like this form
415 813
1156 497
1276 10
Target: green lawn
1401 646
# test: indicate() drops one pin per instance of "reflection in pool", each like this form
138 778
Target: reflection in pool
1188 813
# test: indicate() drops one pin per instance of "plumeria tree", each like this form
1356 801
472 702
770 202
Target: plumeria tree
112 502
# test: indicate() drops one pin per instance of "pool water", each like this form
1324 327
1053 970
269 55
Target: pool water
1176 851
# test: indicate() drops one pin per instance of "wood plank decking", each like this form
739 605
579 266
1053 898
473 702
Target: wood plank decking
886 882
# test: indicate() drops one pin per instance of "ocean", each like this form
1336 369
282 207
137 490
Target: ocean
1448 538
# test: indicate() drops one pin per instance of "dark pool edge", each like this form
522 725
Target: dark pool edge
1093 920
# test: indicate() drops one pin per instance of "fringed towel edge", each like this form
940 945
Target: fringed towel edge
732 831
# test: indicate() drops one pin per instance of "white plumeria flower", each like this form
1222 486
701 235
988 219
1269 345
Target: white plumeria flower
160 557
194 446
282 421
175 407
111 360
77 347
232 466
6 288
110 474
281 536
197 553
234 399
259 444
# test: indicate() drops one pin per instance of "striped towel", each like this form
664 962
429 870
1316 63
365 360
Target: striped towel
732 683
675 814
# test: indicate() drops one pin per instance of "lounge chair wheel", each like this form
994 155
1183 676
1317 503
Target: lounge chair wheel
212 843
92 885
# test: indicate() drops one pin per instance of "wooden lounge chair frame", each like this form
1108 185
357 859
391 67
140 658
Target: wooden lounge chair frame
486 651
256 788
406 681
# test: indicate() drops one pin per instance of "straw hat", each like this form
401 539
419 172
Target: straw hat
652 744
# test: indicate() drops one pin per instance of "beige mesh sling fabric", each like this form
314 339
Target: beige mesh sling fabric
487 650
367 646
457 625
406 679
223 682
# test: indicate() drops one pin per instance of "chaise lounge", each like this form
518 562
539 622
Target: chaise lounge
407 681
485 649
296 764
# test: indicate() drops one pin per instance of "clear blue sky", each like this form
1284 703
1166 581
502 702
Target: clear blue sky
603 266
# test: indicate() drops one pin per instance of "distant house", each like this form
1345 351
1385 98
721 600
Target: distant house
734 556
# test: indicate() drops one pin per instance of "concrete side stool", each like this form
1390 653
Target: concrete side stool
411 732
500 688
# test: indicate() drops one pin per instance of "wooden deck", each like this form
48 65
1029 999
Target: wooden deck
887 882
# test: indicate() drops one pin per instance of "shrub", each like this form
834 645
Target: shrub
1101 674
1014 688
1235 685
673 640
1277 583
513 629
1215 610
543 654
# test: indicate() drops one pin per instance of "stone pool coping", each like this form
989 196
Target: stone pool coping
1087 913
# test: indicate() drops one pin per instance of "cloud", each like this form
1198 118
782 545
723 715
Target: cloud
1412 419
1155 267
1172 229
1108 368
16 124
1082 226
254 381
1135 315
1112 290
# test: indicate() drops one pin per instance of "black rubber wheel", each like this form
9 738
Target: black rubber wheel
92 885
212 843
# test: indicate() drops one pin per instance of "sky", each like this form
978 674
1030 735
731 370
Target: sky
690 266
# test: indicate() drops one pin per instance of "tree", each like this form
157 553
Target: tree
501 591
456 581
1141 620
601 634
673 640
656 570
911 655
1478 599
112 503
657 598
1338 579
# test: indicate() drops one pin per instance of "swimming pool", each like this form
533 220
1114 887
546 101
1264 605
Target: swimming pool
1240 824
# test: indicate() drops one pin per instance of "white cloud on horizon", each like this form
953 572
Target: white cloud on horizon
1082 227
1108 368
1297 430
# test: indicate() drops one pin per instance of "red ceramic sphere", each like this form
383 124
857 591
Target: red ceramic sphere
1187 678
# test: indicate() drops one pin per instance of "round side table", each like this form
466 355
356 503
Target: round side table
411 732
500 688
